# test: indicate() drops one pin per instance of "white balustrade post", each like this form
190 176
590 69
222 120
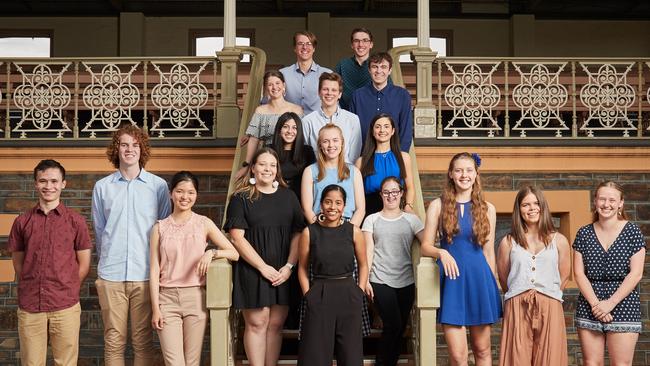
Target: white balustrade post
425 113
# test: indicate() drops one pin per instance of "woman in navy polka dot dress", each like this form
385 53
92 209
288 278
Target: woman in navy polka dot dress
608 265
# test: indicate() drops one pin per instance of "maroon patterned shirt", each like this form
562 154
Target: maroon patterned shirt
49 280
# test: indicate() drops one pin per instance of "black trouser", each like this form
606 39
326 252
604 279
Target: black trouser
394 306
332 324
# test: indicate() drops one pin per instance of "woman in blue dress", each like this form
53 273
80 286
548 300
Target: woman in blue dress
469 296
382 158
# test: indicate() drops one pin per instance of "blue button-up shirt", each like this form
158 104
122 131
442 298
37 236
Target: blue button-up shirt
302 89
123 213
347 121
367 102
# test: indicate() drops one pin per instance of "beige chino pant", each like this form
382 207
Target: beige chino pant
62 327
119 301
185 319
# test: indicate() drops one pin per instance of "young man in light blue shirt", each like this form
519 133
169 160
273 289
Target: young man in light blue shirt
330 89
301 78
125 205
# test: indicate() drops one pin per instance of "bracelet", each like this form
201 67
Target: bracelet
408 204
290 266
215 252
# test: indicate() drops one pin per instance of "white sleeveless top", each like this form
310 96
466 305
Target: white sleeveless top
534 272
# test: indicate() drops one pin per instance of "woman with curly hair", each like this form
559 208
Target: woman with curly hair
469 297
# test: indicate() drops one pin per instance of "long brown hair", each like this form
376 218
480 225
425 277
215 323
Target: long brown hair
342 168
243 185
545 224
610 184
449 215
368 154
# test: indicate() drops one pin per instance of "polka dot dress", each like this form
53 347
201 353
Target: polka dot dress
606 270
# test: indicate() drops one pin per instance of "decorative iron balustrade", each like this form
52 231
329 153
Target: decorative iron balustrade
90 98
542 98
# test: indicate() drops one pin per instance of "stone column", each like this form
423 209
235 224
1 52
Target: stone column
228 113
425 113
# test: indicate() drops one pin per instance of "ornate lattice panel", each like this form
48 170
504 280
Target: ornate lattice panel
539 97
608 97
110 96
42 97
179 96
472 96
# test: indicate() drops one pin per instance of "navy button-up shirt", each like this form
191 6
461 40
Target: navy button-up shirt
367 102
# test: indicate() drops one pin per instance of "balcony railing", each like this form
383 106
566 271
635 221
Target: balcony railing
63 98
549 98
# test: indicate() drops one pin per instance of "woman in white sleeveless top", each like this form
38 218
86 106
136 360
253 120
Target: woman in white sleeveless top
534 264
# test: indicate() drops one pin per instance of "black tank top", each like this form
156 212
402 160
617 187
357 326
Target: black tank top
331 250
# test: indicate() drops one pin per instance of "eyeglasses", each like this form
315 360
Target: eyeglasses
365 41
387 194
304 44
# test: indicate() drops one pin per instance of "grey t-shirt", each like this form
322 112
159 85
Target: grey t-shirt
392 264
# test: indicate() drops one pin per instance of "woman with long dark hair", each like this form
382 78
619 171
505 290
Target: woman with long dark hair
294 154
381 158
534 265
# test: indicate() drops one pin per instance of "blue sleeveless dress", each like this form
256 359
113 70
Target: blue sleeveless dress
473 297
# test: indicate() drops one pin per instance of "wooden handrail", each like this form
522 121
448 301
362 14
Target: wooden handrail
427 279
219 278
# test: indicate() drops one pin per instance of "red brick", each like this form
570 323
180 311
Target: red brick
18 204
637 191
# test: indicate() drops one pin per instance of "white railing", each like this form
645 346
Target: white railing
65 98
542 98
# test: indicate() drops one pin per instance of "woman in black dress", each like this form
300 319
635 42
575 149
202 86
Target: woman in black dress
289 143
264 220
608 265
333 301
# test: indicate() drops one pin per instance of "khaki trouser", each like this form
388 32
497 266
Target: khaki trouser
62 326
118 301
185 318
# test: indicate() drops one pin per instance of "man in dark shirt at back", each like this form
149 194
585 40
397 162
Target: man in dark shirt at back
380 96
50 248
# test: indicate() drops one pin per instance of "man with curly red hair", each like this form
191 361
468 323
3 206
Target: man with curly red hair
125 205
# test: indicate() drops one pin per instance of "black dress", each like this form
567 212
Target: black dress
292 173
269 223
606 270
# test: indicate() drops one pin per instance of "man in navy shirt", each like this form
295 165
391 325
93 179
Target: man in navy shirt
383 97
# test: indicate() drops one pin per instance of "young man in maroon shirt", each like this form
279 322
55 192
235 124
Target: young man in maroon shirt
50 248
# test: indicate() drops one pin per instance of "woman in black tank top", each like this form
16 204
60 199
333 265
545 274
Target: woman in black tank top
333 301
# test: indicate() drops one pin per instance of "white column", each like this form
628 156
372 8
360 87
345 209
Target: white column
424 113
423 24
229 23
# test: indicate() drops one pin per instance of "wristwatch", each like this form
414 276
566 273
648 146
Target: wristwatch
290 265
244 164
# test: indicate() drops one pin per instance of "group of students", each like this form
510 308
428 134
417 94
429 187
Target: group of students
345 222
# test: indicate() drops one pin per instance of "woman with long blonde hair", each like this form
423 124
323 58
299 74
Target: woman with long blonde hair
331 168
469 296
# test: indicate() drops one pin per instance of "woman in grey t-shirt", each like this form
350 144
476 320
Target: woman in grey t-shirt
389 235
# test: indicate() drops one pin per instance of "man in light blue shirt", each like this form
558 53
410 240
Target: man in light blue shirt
301 78
125 205
330 89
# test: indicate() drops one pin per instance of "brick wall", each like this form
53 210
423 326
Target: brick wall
17 195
